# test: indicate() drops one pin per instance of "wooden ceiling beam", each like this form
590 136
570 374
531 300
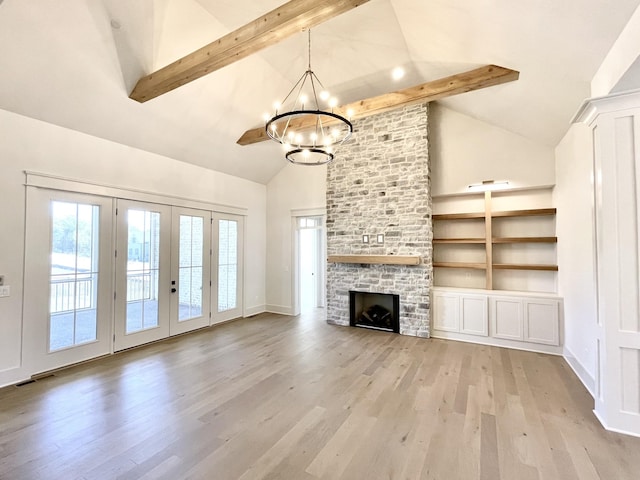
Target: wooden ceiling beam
476 79
269 29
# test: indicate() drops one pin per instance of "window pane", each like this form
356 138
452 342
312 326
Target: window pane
74 274
185 241
227 264
190 270
143 247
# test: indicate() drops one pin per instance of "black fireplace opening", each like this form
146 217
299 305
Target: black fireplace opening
379 311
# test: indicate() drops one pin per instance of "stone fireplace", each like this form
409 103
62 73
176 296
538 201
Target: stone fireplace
378 189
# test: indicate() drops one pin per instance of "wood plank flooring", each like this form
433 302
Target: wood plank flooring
276 397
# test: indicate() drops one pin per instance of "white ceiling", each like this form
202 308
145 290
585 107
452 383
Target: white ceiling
74 63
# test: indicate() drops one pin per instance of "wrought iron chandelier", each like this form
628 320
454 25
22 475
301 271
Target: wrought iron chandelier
308 134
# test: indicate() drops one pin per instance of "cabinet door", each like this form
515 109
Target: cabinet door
473 315
506 318
446 312
541 321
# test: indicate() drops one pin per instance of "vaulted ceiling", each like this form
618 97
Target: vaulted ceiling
74 64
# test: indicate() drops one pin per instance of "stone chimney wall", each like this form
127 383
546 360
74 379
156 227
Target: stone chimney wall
379 184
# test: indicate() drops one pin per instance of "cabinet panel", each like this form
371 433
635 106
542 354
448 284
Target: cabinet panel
446 312
473 315
506 318
541 321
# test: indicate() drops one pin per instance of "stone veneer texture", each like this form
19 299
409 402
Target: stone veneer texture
379 183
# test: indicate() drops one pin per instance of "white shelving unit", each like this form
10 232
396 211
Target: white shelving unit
481 245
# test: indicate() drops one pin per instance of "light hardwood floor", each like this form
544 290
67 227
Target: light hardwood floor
276 397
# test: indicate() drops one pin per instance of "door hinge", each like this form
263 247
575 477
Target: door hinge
116 253
209 314
210 283
114 295
116 211
114 338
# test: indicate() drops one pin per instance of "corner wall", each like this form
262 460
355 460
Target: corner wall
573 196
465 150
295 187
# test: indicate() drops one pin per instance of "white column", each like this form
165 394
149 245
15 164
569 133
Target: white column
615 123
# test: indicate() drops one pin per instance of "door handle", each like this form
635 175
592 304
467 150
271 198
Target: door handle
174 290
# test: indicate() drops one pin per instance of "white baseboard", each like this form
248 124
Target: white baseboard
610 429
497 342
12 376
251 311
581 372
281 309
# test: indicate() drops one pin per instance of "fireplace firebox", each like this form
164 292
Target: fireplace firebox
378 311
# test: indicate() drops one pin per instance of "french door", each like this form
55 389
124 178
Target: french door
190 270
68 272
162 272
106 274
143 281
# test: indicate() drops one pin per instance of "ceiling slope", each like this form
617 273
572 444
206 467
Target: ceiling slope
75 66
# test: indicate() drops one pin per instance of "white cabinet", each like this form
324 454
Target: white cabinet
541 321
446 308
506 318
510 319
460 313
473 315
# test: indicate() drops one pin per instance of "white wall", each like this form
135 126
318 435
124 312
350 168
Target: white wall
464 150
293 188
573 197
33 145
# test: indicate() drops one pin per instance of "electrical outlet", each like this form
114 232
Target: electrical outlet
5 291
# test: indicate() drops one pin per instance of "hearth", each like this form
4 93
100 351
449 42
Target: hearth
378 311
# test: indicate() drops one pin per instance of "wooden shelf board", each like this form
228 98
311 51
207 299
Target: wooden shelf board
524 240
458 216
459 240
475 266
376 259
524 266
525 213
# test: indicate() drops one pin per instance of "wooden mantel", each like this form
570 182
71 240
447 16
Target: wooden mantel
376 259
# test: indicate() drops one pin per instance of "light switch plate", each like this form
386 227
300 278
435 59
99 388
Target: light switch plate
5 291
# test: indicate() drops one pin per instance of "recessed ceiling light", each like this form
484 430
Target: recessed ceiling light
397 73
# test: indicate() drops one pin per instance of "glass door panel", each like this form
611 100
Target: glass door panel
67 299
142 273
227 265
227 232
191 261
143 268
73 281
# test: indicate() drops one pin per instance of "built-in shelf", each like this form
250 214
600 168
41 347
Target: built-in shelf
507 213
524 266
376 259
525 213
476 266
459 240
488 241
498 240
524 240
459 216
